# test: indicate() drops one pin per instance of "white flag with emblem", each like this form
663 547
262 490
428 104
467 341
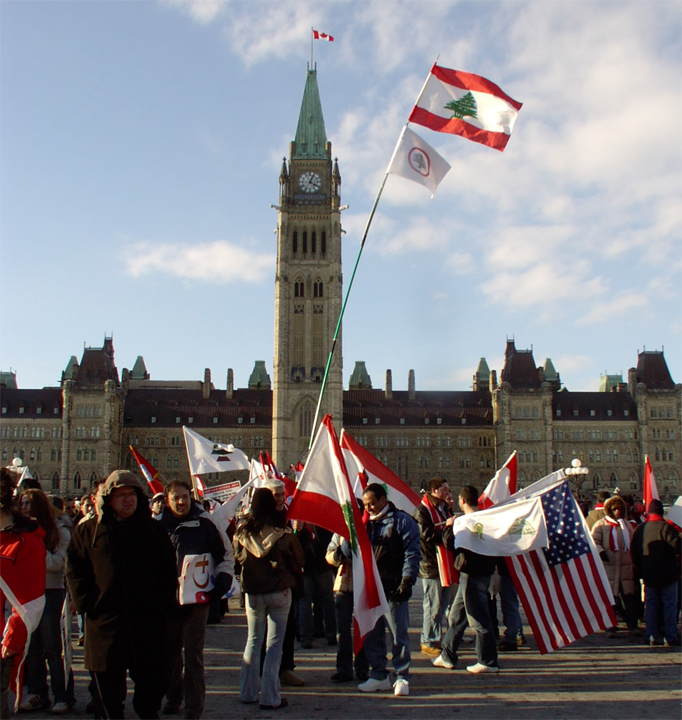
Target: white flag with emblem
504 530
205 456
414 159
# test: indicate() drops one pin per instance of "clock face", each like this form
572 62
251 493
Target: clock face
310 182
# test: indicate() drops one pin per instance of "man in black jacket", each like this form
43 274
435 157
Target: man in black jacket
435 526
193 533
656 548
121 573
471 602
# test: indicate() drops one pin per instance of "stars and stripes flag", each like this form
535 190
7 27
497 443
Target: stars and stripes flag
151 474
465 104
563 587
650 488
324 497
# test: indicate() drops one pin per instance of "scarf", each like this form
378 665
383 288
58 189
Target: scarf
445 557
613 540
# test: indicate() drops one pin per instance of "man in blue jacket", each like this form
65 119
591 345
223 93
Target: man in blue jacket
395 541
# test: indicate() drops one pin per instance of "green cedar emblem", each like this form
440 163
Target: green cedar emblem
521 527
348 516
478 529
464 106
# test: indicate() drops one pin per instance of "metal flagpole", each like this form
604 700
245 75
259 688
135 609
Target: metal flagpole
352 277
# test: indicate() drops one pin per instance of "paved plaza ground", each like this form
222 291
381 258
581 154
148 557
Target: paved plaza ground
596 678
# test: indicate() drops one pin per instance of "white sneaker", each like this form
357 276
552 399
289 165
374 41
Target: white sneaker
444 662
480 668
373 685
401 687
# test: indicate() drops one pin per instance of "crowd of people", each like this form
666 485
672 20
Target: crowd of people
127 565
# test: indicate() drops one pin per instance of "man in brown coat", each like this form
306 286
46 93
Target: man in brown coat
122 576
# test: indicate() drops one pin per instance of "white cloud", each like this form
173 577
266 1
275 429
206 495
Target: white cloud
605 310
202 11
217 263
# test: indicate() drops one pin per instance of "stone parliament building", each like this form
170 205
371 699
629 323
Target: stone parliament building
81 430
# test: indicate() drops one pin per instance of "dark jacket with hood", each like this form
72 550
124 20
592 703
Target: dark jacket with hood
430 536
122 576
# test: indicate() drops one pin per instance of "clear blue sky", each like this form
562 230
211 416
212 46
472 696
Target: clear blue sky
140 149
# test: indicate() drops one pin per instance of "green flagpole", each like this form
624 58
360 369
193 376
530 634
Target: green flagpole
352 277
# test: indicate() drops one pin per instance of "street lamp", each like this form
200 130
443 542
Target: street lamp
577 474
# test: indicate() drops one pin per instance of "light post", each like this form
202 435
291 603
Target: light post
577 474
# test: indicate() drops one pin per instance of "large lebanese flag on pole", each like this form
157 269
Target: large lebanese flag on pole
650 489
468 105
502 486
324 497
364 468
151 474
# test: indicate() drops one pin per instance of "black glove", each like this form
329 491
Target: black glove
604 557
404 591
222 585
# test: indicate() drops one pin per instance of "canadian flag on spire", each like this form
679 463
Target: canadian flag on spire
502 486
322 36
650 489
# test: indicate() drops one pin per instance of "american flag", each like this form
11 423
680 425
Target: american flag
563 588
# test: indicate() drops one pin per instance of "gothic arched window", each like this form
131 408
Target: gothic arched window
323 243
313 242
294 242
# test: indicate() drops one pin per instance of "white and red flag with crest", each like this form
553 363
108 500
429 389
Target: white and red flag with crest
502 486
324 497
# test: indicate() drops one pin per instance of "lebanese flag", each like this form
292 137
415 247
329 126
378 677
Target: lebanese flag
199 486
322 36
324 497
289 484
298 469
468 105
650 489
502 486
364 469
151 474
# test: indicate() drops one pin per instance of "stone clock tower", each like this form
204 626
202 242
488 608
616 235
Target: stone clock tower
308 285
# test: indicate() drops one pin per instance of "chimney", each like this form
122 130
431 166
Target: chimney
411 385
632 381
207 384
230 384
389 385
493 380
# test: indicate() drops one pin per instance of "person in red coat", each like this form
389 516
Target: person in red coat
22 584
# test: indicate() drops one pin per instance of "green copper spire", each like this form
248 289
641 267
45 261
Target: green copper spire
310 135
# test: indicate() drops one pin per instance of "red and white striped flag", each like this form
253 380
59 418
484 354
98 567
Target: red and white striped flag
468 105
502 486
650 488
322 36
324 497
151 474
364 468
563 588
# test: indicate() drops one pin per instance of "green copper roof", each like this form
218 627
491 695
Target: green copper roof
8 380
259 377
139 371
310 135
609 381
71 368
483 371
360 377
550 372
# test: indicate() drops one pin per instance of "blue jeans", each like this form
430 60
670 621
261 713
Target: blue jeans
320 586
436 599
271 610
655 598
343 602
46 644
511 617
471 608
398 621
